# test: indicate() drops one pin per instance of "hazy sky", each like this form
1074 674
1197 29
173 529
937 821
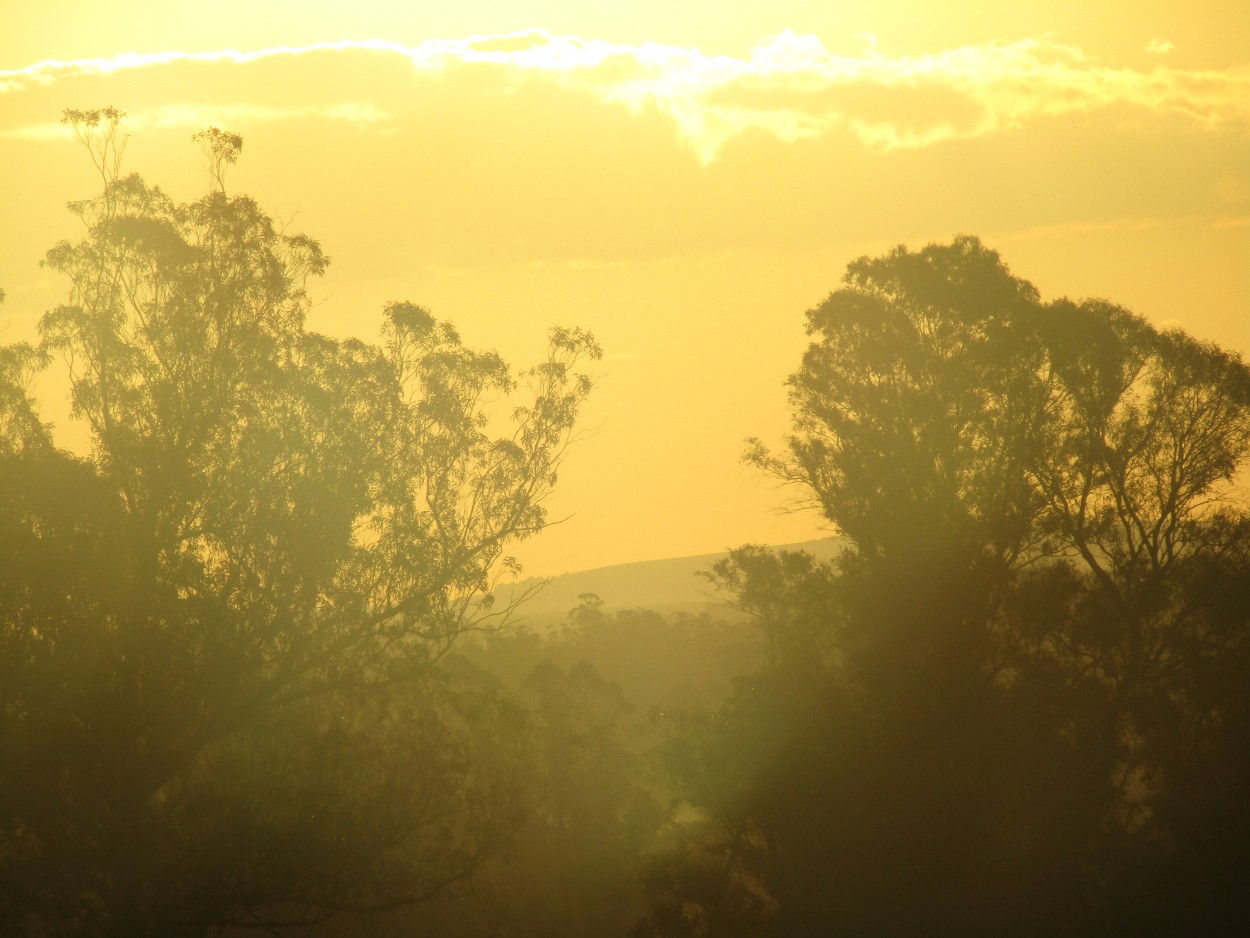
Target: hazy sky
682 178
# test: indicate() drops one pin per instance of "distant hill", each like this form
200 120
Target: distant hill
668 586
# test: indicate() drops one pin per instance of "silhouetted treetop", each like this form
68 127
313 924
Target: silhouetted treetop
299 528
940 397
914 402
1019 689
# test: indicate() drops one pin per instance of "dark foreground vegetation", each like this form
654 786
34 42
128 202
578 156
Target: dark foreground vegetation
237 693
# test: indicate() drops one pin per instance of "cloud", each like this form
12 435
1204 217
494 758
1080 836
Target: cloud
789 86
1159 46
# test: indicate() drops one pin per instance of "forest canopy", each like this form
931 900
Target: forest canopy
254 674
1018 699
220 628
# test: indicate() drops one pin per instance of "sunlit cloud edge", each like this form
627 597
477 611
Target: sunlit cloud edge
1006 84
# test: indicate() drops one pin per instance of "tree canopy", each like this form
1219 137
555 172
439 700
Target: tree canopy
219 627
1017 698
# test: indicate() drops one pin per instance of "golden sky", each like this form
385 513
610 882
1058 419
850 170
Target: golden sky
682 178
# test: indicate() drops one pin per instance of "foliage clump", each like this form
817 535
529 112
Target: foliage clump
220 628
1016 702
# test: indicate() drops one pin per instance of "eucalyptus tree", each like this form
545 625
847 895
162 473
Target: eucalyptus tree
221 630
946 419
1015 696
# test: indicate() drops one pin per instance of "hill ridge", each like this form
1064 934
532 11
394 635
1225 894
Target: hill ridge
667 585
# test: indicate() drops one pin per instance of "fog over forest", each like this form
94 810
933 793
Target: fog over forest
639 539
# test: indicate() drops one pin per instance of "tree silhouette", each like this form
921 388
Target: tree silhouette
912 402
1010 704
220 629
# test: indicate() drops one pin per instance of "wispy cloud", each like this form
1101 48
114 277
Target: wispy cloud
790 86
